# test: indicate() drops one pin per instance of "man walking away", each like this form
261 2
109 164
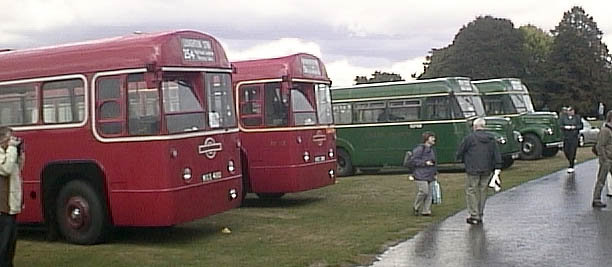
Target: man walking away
571 124
604 152
480 154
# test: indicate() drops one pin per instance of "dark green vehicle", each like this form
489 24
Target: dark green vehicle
510 98
377 123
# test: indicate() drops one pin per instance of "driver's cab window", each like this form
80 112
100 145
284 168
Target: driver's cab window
276 106
182 106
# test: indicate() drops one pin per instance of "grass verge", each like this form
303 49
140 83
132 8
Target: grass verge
340 225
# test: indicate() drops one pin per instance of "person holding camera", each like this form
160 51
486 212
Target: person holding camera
11 161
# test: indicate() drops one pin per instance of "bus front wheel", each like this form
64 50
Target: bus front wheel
345 166
531 147
80 213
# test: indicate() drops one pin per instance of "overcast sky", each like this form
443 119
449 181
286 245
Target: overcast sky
352 37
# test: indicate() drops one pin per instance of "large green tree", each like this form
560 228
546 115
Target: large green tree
579 64
486 48
537 45
379 77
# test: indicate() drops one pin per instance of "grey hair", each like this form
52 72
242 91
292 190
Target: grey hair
479 123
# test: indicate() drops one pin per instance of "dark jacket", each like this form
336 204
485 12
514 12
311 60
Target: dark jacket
422 171
479 153
574 121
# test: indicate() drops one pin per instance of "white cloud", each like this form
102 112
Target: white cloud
342 72
278 48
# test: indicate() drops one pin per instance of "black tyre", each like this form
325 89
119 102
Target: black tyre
550 152
81 214
345 165
270 195
581 140
531 147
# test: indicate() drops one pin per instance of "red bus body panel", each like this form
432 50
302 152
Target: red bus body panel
276 155
143 183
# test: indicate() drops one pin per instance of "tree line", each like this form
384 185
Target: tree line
570 65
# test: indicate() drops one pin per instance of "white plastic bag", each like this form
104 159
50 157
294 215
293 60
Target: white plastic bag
436 194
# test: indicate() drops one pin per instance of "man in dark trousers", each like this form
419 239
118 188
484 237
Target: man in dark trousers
571 124
480 154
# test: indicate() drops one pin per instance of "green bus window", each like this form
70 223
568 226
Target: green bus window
18 104
404 110
437 108
343 113
368 112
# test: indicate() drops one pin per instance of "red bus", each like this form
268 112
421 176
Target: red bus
137 130
286 124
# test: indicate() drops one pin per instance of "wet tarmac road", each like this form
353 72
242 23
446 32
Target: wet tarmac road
545 222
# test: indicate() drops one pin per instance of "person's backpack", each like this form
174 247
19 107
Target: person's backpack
409 161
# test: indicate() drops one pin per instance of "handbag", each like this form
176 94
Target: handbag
436 194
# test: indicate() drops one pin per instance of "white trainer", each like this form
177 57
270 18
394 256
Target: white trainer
570 170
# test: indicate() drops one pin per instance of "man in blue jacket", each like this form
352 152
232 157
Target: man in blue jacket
480 155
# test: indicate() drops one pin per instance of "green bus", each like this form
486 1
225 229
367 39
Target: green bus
377 123
509 97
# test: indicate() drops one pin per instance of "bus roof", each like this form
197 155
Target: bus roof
500 85
296 66
404 88
164 49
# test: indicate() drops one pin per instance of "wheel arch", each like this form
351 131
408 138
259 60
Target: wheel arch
56 175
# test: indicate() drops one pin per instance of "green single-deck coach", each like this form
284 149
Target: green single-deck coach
509 97
377 123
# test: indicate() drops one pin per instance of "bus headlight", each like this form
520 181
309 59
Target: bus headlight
306 156
233 194
502 140
518 136
549 131
186 174
230 166
331 153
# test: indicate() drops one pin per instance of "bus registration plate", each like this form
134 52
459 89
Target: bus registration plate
319 158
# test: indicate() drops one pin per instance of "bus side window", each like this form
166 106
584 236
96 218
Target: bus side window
438 108
368 112
18 104
63 101
343 113
404 110
250 105
108 106
143 107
